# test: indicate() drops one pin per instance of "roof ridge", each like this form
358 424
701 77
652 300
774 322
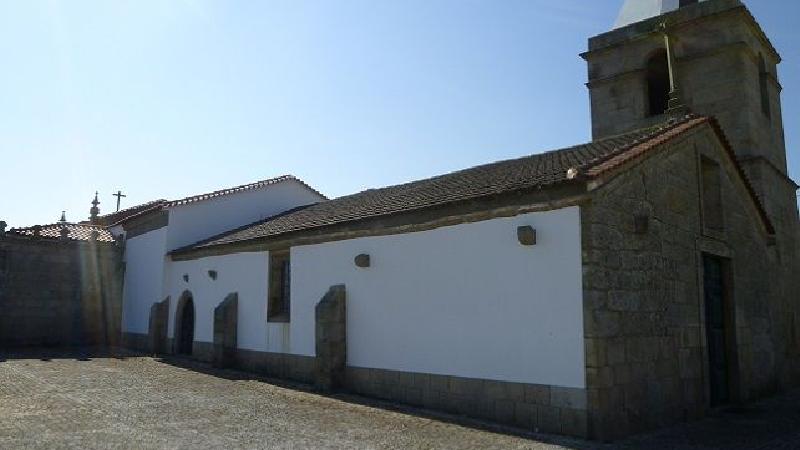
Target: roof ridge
656 131
479 182
545 153
240 188
131 208
230 190
58 224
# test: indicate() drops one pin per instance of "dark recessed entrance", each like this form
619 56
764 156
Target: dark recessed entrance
184 329
718 326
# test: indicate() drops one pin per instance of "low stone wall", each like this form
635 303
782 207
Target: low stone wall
59 292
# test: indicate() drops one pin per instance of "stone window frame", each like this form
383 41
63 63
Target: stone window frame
279 297
712 209
763 87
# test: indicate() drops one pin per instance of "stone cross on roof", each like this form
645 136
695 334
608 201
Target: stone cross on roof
94 211
637 10
119 196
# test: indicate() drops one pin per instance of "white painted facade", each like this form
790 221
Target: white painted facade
146 261
193 222
243 273
466 300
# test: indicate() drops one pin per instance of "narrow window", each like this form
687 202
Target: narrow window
763 82
712 194
686 3
279 286
657 83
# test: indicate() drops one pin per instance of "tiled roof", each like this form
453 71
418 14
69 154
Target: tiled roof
580 162
124 214
136 211
77 232
244 187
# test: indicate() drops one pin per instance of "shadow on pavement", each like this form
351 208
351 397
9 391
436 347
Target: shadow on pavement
769 423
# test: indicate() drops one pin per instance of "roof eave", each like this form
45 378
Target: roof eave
567 193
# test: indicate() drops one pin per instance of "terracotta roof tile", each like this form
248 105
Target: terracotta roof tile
235 189
146 208
535 171
77 232
125 214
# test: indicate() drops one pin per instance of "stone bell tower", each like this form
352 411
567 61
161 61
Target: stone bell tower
708 57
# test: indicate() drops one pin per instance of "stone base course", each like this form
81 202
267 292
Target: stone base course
534 407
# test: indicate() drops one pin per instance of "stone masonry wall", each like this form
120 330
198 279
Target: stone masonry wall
643 294
55 292
533 407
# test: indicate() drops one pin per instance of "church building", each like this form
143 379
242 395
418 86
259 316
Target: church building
635 281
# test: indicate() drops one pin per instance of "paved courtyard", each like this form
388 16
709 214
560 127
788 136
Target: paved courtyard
91 400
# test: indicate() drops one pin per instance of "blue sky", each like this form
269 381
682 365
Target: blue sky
164 99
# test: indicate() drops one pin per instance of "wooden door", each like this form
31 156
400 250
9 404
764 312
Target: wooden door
716 329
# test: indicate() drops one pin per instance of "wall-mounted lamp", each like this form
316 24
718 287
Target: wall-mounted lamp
526 235
362 260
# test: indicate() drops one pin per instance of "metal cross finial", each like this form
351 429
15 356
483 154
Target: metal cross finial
675 105
119 196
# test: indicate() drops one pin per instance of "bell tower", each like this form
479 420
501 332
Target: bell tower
708 57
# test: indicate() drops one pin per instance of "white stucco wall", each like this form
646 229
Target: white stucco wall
243 273
146 261
464 300
144 278
196 221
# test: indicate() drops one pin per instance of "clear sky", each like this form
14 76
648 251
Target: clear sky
164 99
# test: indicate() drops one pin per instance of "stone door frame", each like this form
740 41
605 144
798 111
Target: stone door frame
729 308
186 299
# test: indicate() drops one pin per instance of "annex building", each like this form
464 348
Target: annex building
635 281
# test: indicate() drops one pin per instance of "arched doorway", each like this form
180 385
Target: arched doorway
184 325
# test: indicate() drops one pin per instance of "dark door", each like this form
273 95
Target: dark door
186 337
716 321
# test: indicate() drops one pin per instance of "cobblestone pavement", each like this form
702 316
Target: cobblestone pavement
92 400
